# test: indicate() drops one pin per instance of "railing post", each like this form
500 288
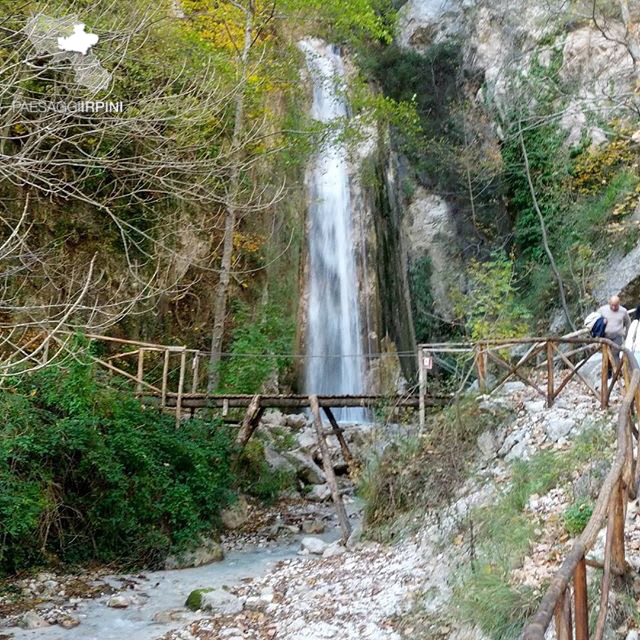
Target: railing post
550 369
604 378
636 479
617 551
165 375
580 600
195 378
140 374
183 363
562 615
422 383
481 367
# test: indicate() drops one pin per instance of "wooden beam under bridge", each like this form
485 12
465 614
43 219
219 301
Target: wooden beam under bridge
202 400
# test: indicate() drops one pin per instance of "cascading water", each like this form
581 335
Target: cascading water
334 363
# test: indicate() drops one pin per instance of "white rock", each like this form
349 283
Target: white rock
236 515
306 468
355 537
167 617
273 417
558 427
307 441
520 451
118 601
319 493
313 545
511 440
487 444
31 620
535 406
221 601
334 549
276 461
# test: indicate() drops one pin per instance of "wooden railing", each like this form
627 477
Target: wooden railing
565 600
621 484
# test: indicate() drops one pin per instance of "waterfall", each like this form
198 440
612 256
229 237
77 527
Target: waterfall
334 363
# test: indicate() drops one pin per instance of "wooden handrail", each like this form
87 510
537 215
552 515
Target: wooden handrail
612 491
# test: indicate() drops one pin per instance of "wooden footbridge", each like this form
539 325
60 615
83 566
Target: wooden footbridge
169 376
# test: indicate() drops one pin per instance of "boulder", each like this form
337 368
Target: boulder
67 621
194 599
236 515
488 445
511 440
307 441
209 551
313 526
276 461
589 483
319 493
558 427
167 617
296 421
220 601
513 386
314 546
31 620
355 537
273 418
520 451
306 468
535 406
333 550
119 601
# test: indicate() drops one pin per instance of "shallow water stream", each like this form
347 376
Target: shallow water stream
162 593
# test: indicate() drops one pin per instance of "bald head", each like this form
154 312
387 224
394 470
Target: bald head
614 303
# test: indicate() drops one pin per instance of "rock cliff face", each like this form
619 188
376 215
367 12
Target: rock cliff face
506 48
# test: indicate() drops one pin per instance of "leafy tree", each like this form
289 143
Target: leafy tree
491 305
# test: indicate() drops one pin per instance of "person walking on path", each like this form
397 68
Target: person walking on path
618 322
633 335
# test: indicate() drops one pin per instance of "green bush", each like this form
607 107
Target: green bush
577 516
257 346
89 474
257 478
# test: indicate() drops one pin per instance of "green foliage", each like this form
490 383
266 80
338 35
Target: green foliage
88 474
257 478
424 470
495 606
549 165
425 323
356 21
491 307
577 515
583 195
257 346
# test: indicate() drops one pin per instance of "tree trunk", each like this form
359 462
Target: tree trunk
222 290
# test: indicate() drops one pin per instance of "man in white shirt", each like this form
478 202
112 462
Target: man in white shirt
618 321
